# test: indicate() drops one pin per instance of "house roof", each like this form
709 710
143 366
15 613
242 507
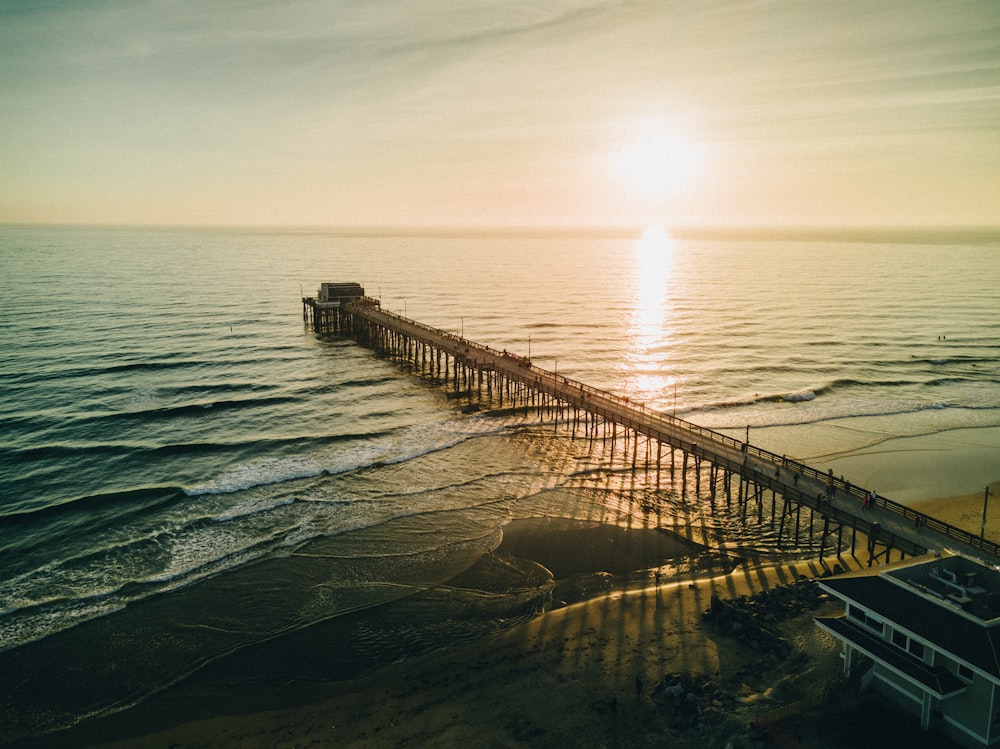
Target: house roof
936 679
949 630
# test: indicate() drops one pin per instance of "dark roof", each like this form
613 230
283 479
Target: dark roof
936 679
342 289
938 623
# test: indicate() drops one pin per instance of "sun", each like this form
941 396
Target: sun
657 162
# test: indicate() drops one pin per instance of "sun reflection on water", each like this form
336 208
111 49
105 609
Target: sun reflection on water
649 368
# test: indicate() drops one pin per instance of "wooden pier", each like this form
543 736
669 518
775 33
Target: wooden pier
765 487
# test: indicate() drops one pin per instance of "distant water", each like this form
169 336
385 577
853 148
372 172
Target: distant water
187 471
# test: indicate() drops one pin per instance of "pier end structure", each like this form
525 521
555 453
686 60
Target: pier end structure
327 311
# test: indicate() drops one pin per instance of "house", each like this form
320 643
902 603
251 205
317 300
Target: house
926 634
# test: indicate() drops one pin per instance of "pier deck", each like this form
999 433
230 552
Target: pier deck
887 526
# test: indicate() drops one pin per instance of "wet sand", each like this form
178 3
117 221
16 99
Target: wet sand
589 673
582 675
910 469
966 511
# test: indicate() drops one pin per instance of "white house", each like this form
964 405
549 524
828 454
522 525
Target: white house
926 633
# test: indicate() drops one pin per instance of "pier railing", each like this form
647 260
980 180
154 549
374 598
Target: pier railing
650 418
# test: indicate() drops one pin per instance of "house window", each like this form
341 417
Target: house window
872 622
914 648
965 673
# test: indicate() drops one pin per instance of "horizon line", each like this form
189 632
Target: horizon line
775 230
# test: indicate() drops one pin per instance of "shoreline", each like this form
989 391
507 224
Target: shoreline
584 673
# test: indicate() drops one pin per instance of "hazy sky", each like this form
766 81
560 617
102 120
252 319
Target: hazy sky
500 112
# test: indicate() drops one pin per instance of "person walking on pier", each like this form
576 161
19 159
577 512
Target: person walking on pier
868 501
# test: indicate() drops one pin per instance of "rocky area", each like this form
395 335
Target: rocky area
798 673
754 619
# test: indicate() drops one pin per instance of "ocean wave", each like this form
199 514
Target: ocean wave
66 372
350 383
975 381
299 443
64 451
167 363
61 451
218 387
33 617
838 386
197 408
257 507
799 396
939 360
170 545
67 592
23 626
97 367
93 507
390 449
835 416
259 472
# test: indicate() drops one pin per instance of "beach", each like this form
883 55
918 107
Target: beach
635 665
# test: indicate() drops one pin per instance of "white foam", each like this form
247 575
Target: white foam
252 508
258 472
800 396
399 447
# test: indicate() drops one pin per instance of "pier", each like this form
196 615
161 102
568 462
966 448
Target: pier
760 486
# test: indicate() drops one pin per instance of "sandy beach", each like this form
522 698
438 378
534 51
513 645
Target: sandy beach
621 668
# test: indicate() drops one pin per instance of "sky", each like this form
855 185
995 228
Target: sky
501 113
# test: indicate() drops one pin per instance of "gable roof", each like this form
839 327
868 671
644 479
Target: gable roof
973 642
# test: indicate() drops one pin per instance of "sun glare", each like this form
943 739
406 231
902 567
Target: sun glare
657 163
653 260
649 375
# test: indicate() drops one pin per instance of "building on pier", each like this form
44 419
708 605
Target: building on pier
327 312
336 294
926 634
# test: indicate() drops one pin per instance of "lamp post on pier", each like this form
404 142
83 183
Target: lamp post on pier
986 498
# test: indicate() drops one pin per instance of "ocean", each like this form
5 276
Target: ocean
202 497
